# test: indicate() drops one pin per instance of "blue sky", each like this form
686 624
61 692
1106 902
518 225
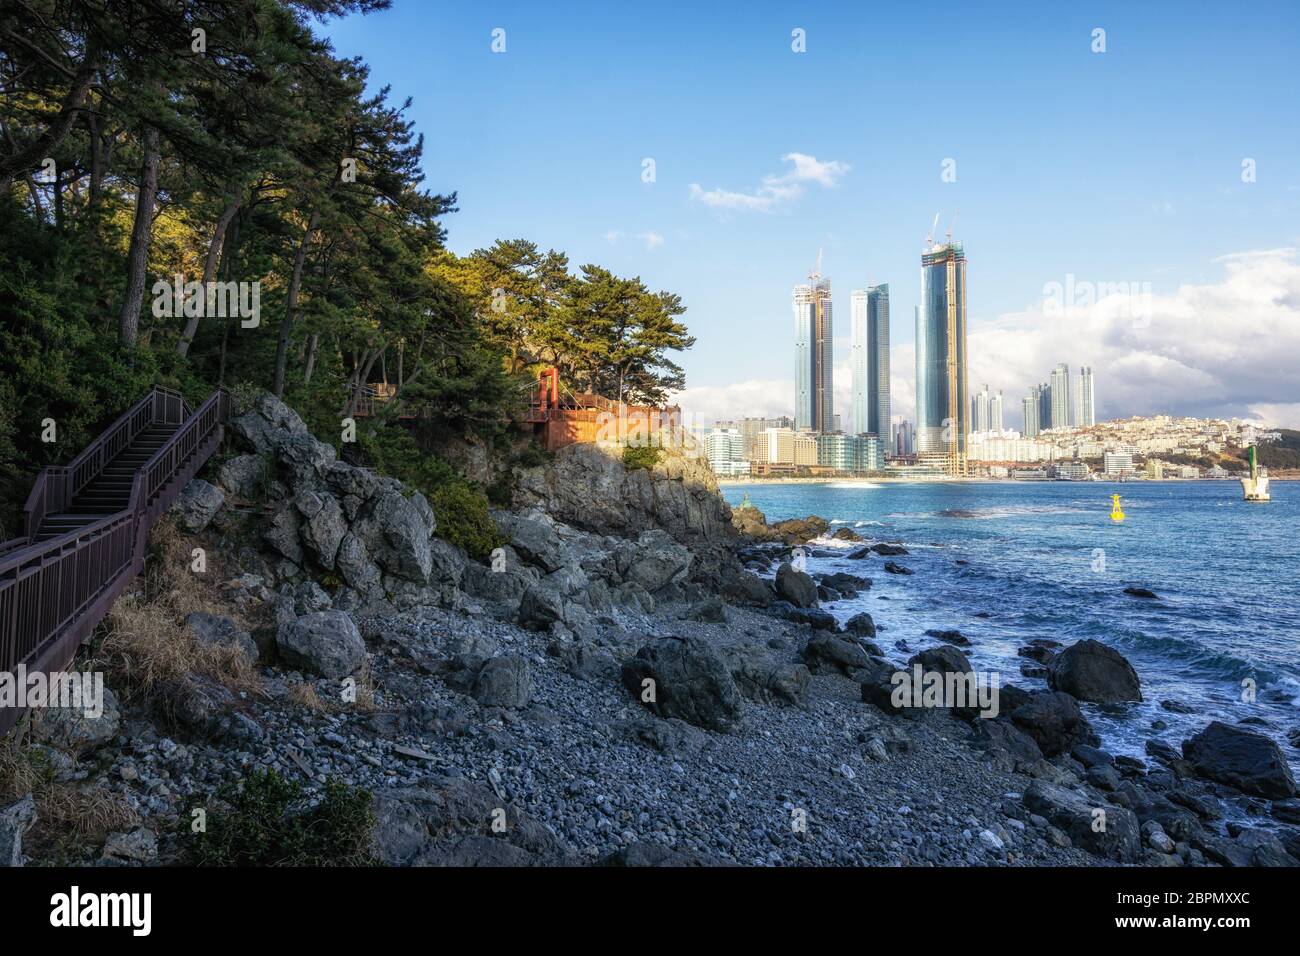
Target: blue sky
1115 166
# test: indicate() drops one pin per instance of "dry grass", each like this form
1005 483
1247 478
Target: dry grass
146 648
305 696
67 814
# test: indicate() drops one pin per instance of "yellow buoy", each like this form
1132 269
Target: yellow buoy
1116 512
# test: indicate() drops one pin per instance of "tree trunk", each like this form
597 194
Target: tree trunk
291 305
141 233
210 267
227 257
359 378
311 357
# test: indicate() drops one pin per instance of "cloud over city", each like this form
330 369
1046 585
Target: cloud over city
1223 349
777 189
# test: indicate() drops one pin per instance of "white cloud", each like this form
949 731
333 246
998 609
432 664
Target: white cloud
775 190
1226 348
650 238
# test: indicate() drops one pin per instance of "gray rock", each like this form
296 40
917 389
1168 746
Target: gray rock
217 630
534 538
1241 758
688 679
283 534
1054 721
197 504
658 561
324 527
72 729
795 586
1090 670
244 476
505 681
449 822
763 679
324 642
861 624
945 659
840 653
1100 828
262 424
16 819
395 533
138 847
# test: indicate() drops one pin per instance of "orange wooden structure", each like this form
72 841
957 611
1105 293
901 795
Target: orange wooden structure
586 418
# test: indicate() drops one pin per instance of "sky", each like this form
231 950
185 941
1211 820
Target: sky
1153 170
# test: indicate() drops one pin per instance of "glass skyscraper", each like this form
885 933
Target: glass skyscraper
814 355
1060 378
942 406
869 360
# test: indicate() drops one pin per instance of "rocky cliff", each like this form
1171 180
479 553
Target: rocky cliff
589 487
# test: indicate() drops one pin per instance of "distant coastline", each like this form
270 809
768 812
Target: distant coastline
940 479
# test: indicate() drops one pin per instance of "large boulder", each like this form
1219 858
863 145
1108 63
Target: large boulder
762 678
659 561
799 530
795 586
1241 758
79 729
264 424
197 504
843 654
325 643
504 681
1100 828
685 677
244 476
323 525
1090 670
1055 722
457 822
396 532
944 659
534 539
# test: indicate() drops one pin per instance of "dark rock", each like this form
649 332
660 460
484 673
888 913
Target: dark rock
861 624
1055 722
846 534
799 530
16 818
1009 747
1089 670
841 653
1142 593
847 584
686 679
766 680
858 554
1240 758
197 504
1107 831
894 568
505 681
950 637
325 643
795 586
945 660
1177 707
710 610
889 550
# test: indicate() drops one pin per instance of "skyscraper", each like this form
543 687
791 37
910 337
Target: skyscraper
1029 408
870 360
1085 412
1044 407
1060 378
942 408
814 354
995 411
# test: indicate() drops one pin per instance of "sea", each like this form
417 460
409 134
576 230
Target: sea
1006 562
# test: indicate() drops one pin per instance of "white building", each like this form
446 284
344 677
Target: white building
1117 463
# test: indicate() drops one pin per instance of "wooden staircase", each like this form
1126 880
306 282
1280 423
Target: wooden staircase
87 523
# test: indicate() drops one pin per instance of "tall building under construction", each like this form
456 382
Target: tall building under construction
814 358
942 405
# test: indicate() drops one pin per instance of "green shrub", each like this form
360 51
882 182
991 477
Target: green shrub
265 822
463 519
640 456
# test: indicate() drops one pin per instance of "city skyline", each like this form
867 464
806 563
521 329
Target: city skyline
722 218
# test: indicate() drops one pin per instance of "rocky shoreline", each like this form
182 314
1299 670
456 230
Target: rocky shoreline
638 676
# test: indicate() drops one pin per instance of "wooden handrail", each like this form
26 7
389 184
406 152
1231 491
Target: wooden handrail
54 592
